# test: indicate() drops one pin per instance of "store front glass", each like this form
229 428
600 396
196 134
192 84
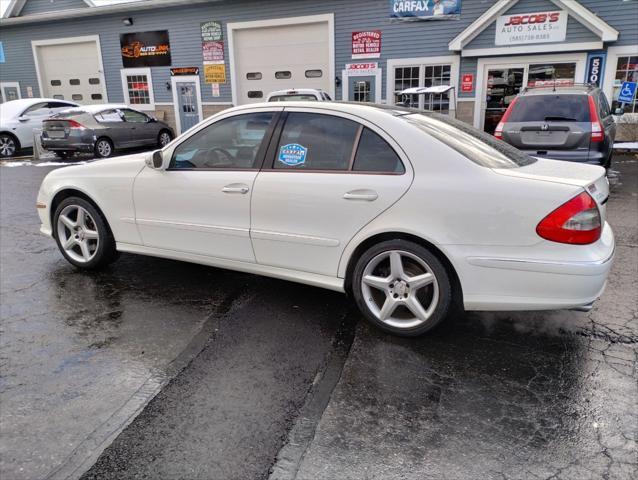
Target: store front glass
626 71
503 84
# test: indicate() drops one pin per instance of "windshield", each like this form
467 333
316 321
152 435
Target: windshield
554 107
292 98
479 147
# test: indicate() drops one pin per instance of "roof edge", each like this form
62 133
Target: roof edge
10 20
582 14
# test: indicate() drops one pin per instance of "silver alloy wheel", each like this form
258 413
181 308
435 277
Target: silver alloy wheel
396 284
78 233
164 139
7 146
104 148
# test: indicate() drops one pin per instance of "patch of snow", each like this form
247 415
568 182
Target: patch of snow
38 164
626 145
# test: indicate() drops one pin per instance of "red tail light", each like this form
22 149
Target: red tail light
576 222
597 131
74 124
498 133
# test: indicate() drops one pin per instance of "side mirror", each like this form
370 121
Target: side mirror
619 111
23 118
156 160
152 120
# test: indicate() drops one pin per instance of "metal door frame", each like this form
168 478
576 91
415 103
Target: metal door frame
346 75
186 79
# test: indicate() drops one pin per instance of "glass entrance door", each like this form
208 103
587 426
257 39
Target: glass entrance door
361 89
503 84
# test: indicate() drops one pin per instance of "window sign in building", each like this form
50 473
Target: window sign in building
539 27
145 49
425 9
366 44
212 42
1 53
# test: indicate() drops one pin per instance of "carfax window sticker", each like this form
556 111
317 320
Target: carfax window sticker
292 154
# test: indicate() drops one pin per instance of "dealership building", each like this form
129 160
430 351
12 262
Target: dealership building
185 60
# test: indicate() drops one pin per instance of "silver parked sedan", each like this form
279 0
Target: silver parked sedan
100 129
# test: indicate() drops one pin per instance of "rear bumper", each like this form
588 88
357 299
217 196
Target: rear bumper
83 141
591 157
66 146
560 277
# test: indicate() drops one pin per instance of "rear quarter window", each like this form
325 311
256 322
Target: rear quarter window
554 107
477 146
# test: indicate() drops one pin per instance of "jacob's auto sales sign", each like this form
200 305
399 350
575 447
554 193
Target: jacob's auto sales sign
525 28
146 49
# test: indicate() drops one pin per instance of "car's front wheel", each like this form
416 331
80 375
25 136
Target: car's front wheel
402 288
82 234
8 145
103 148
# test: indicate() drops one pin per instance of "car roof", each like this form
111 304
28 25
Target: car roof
16 107
296 91
93 109
551 89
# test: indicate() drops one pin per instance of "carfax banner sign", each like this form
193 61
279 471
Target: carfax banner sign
425 9
145 49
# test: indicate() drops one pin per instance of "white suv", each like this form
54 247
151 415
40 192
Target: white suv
297 94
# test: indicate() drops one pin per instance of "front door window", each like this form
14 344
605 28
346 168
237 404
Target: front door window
503 84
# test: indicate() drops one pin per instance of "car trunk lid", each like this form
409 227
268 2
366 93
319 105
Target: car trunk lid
591 178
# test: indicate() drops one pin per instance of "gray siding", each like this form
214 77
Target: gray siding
399 39
41 6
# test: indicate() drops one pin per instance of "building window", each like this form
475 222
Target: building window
77 97
314 73
253 76
434 76
255 94
544 74
406 77
94 81
137 84
626 71
283 75
56 83
74 81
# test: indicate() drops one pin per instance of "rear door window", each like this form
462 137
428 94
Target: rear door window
554 107
375 155
311 141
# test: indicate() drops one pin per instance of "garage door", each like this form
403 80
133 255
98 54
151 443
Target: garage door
281 57
71 72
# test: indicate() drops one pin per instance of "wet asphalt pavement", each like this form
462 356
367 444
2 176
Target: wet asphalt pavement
223 375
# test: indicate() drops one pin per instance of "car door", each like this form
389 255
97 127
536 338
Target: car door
329 175
140 128
32 119
201 203
114 127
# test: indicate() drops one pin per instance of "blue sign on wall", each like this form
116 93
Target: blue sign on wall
1 53
595 68
627 92
425 9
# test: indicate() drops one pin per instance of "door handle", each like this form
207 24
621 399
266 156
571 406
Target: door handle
236 188
366 195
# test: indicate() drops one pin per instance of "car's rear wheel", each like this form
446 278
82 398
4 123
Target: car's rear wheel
8 145
164 138
82 234
103 148
402 288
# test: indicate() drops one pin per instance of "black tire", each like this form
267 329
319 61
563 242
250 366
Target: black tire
103 147
436 267
9 145
105 253
160 143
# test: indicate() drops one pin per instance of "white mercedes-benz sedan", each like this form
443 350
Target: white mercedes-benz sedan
410 213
